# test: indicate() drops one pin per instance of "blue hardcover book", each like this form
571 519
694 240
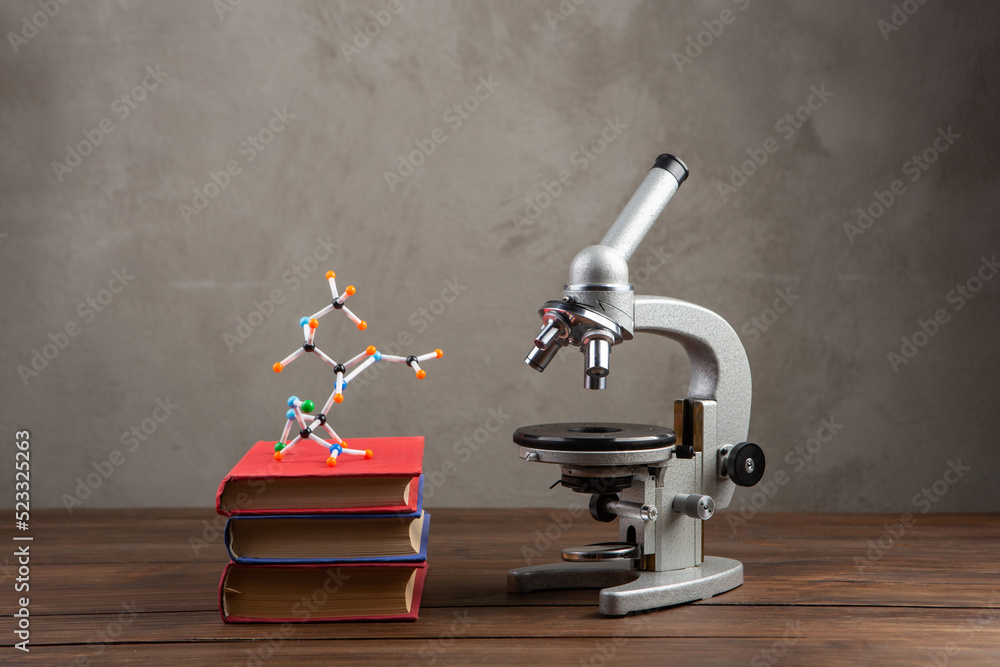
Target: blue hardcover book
323 538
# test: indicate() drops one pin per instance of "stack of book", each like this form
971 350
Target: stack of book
309 542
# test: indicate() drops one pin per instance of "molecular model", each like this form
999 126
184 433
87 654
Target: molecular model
300 412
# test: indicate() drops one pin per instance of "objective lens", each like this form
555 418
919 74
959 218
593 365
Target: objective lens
539 358
547 336
598 353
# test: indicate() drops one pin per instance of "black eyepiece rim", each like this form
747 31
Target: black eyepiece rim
674 165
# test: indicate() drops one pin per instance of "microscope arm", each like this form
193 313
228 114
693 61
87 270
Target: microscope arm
720 372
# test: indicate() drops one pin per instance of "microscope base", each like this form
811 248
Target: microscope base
631 589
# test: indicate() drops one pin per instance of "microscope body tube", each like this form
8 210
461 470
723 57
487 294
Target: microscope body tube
645 206
606 264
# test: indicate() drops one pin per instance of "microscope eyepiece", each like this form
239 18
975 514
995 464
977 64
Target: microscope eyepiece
674 165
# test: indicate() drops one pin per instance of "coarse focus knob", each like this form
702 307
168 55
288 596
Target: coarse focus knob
745 464
599 507
607 507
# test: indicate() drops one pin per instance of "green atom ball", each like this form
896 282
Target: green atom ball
278 446
307 406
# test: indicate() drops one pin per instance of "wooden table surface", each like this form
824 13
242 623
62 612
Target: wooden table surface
122 586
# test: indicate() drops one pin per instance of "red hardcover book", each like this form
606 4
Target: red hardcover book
303 484
322 592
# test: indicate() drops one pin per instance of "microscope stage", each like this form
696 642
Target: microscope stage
594 437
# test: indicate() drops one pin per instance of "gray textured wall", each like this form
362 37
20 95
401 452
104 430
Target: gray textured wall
449 231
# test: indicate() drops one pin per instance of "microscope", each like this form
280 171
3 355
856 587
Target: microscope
660 484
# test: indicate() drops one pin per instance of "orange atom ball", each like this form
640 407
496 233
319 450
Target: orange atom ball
421 374
362 325
313 324
278 367
278 456
368 454
371 350
330 274
439 353
338 398
350 290
331 461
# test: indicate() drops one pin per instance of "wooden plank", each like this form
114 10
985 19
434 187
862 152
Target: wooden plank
576 651
90 588
785 551
135 626
950 550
